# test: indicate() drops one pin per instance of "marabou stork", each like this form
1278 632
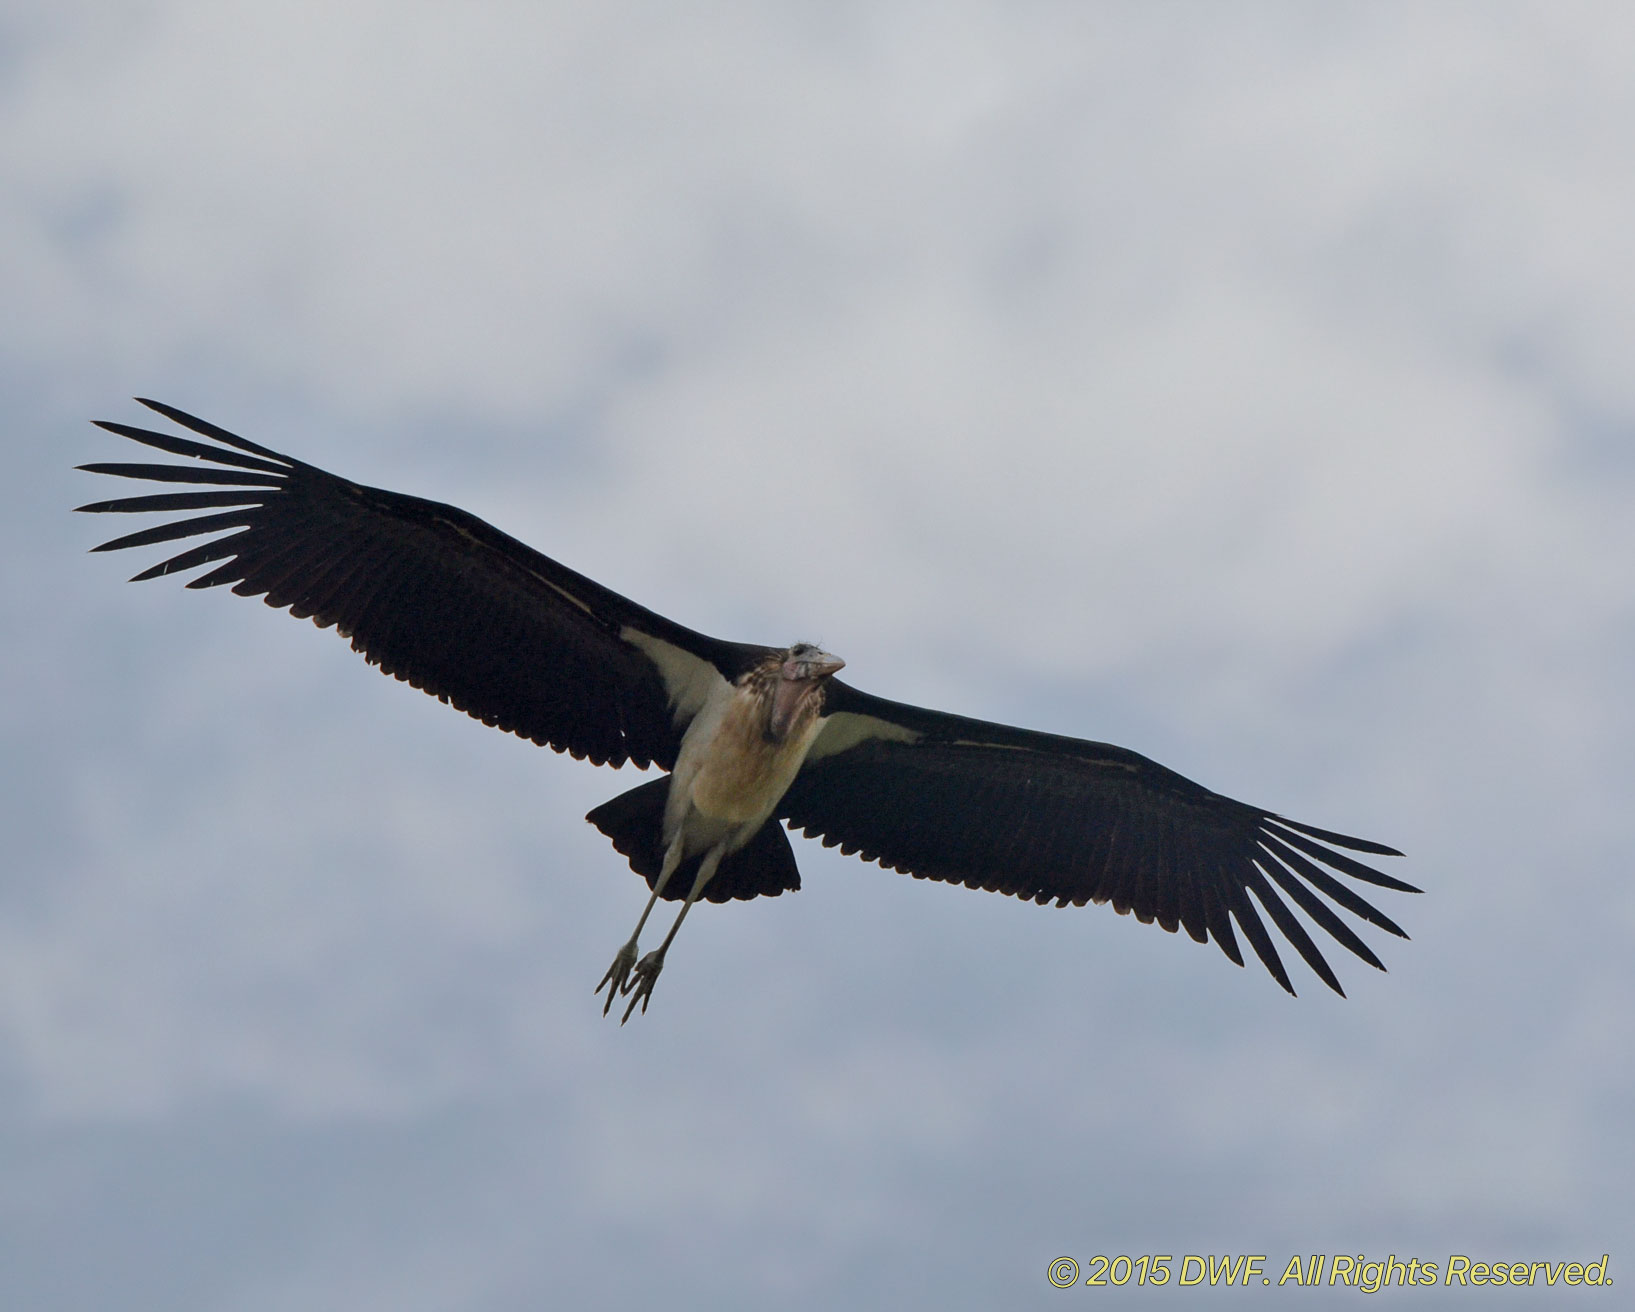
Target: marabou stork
750 735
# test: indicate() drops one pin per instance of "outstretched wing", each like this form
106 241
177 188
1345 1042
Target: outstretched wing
1057 819
430 594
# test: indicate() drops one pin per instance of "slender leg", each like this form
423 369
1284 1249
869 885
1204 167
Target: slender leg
640 987
618 974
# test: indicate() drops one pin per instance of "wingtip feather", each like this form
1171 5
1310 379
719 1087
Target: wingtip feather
205 428
1339 840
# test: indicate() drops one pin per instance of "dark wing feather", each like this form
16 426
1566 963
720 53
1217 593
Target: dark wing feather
1058 819
427 592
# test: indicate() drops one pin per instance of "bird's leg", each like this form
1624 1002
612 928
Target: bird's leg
617 978
640 986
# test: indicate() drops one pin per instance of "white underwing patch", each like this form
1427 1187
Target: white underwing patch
688 679
845 729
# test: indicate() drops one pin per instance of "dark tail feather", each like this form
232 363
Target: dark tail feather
634 821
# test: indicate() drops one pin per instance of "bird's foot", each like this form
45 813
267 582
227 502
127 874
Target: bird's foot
617 979
640 987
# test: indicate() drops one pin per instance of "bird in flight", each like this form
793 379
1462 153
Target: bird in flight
749 736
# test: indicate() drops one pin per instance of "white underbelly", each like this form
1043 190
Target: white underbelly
728 776
743 786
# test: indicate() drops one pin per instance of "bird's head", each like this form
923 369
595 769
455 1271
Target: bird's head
797 676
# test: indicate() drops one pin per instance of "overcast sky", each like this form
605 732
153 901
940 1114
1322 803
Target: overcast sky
1247 385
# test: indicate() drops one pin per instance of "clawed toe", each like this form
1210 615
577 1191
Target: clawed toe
640 986
618 976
